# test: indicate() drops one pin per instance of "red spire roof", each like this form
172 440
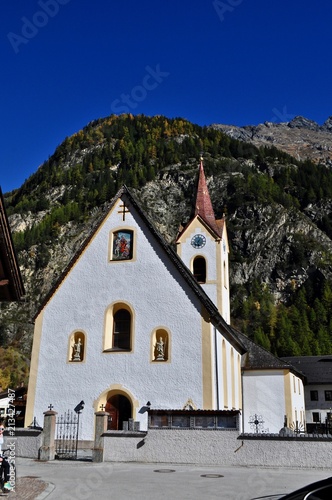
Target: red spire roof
203 205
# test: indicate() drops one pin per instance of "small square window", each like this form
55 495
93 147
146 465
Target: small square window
204 422
226 422
328 395
315 416
313 395
159 421
180 421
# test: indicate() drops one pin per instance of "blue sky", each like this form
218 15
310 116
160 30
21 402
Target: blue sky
67 62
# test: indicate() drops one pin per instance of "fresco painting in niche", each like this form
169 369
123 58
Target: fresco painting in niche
122 245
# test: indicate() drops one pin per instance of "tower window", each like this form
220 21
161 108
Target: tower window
199 269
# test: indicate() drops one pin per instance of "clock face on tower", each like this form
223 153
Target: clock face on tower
198 241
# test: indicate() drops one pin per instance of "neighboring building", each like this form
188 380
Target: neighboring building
132 328
272 389
318 390
11 285
14 405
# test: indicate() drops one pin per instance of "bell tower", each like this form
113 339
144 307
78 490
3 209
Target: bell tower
203 247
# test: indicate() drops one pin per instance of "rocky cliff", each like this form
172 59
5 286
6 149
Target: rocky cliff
279 229
301 137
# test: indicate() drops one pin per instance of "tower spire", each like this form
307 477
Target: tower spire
203 204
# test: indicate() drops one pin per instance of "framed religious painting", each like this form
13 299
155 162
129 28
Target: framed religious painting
122 248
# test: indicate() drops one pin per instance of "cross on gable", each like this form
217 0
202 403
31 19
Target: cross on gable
124 211
50 407
102 407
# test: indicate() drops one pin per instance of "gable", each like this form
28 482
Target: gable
199 223
151 255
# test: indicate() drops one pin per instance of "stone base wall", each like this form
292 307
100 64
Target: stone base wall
203 447
194 446
25 443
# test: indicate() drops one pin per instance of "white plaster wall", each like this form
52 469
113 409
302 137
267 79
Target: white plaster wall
225 305
264 395
225 282
188 252
152 288
202 447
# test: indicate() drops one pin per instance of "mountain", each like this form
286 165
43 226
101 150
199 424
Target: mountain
278 208
300 137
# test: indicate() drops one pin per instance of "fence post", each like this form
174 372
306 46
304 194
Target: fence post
47 450
101 427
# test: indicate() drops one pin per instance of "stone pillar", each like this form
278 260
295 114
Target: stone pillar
47 450
101 427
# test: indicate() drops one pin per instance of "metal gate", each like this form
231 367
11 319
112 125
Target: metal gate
66 438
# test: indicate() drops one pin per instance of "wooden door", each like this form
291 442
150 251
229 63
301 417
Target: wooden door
113 418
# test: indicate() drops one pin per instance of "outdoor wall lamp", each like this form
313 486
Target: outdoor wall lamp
79 407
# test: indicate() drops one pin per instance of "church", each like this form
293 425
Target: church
143 331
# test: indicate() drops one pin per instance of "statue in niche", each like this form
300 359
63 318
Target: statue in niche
160 350
77 350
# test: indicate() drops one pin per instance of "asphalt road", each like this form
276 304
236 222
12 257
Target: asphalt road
84 480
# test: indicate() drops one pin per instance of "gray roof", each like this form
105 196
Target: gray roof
317 369
258 358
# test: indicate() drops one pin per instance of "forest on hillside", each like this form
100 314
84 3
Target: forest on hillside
90 166
134 150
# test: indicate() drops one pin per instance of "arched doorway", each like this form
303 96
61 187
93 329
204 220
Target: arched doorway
119 408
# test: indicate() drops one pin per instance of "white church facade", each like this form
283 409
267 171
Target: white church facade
144 332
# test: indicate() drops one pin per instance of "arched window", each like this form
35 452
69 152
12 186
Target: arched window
199 269
225 276
121 329
119 324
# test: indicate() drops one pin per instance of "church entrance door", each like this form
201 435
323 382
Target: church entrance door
113 417
119 408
